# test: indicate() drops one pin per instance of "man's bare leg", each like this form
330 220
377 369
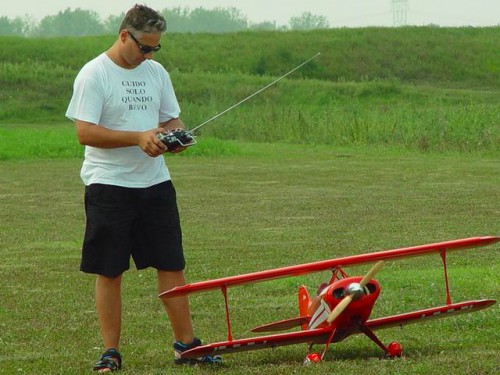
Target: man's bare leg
177 308
109 309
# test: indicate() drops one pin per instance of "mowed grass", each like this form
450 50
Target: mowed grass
259 206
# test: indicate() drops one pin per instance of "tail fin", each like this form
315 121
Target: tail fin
304 304
302 320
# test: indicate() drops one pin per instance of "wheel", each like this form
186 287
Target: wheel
395 349
312 358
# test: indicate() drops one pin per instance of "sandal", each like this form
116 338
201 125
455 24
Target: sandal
180 347
110 361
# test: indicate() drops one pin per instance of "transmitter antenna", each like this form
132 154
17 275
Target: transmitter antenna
254 94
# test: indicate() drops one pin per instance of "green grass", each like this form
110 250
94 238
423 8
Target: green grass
257 207
391 138
380 113
444 56
419 88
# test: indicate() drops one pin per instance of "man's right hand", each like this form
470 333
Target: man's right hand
151 144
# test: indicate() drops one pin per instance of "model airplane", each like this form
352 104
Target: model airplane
340 308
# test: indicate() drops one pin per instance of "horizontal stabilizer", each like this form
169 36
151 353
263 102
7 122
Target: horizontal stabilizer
283 325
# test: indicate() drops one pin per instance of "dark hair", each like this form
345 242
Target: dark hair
143 19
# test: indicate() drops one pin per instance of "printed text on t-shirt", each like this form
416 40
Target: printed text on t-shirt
136 96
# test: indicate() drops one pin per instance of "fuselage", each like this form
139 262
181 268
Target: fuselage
358 311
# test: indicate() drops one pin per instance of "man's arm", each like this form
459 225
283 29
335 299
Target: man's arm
98 136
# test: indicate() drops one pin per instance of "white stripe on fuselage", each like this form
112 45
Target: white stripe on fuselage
320 315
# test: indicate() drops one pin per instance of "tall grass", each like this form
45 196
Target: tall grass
455 56
430 89
380 112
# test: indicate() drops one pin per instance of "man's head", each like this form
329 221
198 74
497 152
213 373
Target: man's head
139 36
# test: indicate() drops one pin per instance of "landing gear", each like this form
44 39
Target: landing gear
393 350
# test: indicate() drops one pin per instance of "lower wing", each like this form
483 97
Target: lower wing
432 313
264 342
321 335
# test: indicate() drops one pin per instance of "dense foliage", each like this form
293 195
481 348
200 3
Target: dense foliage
79 22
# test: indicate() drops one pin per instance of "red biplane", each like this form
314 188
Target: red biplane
341 307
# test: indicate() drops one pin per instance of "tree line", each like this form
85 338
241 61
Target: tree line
80 22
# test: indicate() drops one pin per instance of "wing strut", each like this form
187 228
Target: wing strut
338 274
448 295
330 338
223 289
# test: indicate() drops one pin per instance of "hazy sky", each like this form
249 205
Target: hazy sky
350 13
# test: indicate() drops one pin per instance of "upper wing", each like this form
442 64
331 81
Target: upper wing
432 313
329 264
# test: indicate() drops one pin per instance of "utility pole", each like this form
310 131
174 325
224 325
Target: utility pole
399 12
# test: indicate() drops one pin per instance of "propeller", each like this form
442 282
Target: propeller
339 309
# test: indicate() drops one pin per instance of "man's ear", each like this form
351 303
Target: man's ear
123 35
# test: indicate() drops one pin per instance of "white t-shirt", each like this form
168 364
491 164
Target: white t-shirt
123 99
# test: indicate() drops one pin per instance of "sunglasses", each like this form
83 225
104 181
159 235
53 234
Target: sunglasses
144 49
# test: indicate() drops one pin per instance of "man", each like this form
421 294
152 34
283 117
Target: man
121 101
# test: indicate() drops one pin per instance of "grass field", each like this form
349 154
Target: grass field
390 139
259 206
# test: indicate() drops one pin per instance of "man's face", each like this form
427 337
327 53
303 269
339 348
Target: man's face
137 48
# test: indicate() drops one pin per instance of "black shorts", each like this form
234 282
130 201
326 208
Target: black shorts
138 222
